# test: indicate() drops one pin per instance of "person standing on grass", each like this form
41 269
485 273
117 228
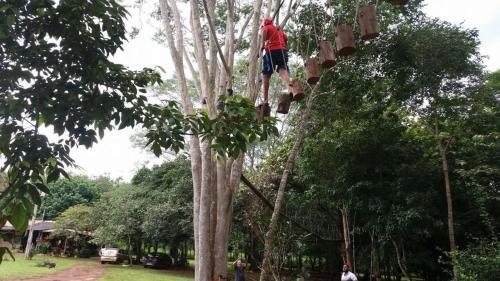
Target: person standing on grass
347 275
239 270
273 42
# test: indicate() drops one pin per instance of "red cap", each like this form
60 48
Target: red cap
267 21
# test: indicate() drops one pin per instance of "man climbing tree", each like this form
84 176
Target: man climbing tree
273 42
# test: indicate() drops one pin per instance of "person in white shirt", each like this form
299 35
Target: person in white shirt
347 275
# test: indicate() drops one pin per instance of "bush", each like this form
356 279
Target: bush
43 248
481 262
86 251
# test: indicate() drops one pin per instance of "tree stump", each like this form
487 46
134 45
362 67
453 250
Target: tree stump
284 103
398 2
298 90
326 54
345 40
261 111
312 70
368 23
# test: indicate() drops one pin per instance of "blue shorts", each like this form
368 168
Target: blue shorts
274 61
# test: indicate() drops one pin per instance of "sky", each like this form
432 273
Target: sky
115 155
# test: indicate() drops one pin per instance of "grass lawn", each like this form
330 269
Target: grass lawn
138 273
26 268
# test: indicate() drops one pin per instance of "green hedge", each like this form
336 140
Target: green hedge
479 263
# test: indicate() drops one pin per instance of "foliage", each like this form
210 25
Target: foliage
75 224
371 148
155 210
168 214
481 262
55 73
65 193
76 218
116 216
43 248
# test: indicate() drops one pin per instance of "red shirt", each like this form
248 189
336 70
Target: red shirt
276 38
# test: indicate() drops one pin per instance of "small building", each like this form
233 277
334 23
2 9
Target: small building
41 232
44 233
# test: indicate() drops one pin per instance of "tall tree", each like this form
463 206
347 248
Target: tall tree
442 63
215 176
65 193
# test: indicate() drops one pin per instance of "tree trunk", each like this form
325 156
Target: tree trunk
269 237
129 248
347 237
447 185
176 51
224 214
204 250
401 264
138 250
65 246
29 242
254 254
174 253
375 265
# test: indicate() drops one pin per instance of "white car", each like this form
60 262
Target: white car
112 255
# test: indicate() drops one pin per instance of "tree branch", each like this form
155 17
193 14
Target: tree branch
242 32
212 30
290 13
196 79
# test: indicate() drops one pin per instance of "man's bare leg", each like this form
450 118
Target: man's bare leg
266 82
284 77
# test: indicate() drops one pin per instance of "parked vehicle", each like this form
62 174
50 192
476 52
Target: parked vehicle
159 260
112 255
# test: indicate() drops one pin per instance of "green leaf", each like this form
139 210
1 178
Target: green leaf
34 194
10 20
42 187
19 218
156 149
53 176
101 133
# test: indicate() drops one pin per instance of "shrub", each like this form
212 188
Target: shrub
481 262
43 248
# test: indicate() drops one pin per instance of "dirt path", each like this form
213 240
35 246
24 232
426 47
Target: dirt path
79 272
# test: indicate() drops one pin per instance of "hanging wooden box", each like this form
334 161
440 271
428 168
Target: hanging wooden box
368 23
398 2
312 70
284 103
261 111
298 90
345 40
326 55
